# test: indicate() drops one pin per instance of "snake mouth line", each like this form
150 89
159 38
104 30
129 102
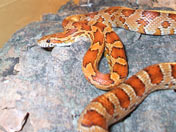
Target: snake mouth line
45 45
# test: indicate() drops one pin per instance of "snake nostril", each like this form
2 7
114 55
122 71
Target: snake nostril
48 41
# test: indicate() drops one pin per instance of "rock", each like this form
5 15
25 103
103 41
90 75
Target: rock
50 85
12 120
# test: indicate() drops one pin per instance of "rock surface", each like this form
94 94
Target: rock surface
50 85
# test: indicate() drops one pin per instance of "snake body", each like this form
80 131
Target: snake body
117 103
125 95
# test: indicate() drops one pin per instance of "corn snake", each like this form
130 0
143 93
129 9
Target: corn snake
122 99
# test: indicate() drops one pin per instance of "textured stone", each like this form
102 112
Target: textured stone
165 3
12 120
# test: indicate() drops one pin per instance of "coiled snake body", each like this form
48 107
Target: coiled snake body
125 95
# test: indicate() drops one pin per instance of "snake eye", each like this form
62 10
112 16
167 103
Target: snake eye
48 41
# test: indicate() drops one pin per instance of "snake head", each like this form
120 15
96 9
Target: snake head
58 39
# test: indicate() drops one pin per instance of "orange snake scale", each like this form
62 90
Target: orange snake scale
124 95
